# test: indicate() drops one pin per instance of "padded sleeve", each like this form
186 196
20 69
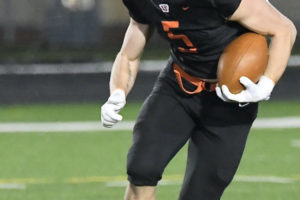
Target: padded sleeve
226 7
136 11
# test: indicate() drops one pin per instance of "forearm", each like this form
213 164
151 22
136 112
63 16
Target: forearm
123 73
126 65
279 53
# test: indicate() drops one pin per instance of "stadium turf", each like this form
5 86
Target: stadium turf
91 165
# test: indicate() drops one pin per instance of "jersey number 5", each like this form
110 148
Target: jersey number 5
167 25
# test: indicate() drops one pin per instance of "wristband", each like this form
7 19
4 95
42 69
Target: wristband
266 83
118 95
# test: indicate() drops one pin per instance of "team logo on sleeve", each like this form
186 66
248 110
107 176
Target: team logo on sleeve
164 8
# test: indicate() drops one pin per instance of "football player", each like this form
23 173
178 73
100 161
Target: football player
185 103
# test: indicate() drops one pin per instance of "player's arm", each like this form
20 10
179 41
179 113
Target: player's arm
261 17
127 62
124 71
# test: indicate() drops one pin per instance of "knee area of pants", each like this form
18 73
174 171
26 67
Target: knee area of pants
225 176
143 174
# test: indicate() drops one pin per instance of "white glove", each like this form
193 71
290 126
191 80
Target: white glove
110 110
253 92
220 94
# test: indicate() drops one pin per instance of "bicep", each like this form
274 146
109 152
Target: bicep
135 40
260 16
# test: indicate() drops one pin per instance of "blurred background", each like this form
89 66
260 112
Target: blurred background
61 50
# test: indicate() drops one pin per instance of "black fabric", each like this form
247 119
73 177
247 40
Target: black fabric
213 157
157 138
201 33
226 7
216 131
137 11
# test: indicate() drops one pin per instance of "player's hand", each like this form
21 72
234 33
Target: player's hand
220 94
253 92
110 110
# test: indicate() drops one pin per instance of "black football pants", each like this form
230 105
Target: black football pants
216 131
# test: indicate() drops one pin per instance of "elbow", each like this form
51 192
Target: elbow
293 32
287 30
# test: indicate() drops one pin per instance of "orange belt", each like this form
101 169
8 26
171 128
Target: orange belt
200 84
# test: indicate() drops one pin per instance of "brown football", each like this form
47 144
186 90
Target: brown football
245 56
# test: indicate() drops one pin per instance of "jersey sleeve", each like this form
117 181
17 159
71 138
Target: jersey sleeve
136 11
226 7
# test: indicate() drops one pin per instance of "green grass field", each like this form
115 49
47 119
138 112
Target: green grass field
82 165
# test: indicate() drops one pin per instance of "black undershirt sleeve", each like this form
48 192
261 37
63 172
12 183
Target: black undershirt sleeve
226 7
135 11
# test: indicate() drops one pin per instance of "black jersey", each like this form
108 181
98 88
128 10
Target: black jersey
197 30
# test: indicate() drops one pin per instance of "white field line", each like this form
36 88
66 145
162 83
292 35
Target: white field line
238 178
282 122
98 67
61 127
294 61
12 186
75 68
263 179
262 123
161 183
120 181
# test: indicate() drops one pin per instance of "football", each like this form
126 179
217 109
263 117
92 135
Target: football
245 56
